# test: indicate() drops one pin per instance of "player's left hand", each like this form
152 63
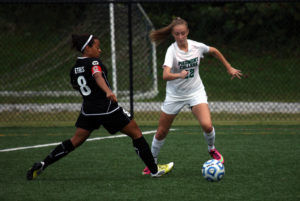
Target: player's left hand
235 73
111 96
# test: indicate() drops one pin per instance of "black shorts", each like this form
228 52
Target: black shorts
113 122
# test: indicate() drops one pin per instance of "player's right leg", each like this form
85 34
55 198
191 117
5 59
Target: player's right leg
143 150
165 122
60 151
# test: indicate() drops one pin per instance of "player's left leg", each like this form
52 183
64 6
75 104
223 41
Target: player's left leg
202 113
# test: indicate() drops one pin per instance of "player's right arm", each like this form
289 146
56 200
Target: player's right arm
168 75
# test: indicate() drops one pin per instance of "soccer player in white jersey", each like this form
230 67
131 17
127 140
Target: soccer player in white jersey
184 85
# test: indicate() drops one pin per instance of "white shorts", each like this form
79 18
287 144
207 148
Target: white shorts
174 106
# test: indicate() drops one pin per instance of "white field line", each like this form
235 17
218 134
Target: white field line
215 106
57 143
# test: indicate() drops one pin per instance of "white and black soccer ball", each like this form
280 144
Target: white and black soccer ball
213 170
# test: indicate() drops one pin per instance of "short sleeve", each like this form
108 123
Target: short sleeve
204 48
169 58
96 69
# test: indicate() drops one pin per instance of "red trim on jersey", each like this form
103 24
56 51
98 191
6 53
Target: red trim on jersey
96 69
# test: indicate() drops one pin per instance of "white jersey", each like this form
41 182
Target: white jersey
178 60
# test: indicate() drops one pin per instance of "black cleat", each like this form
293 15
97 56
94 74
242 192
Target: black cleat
36 169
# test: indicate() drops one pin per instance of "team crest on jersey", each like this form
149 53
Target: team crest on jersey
95 63
96 69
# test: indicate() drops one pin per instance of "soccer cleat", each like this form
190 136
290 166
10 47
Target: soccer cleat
216 155
163 169
36 169
146 171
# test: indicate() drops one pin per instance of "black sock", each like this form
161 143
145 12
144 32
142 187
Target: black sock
60 151
143 150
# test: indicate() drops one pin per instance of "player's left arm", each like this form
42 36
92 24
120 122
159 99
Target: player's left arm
231 71
97 74
102 84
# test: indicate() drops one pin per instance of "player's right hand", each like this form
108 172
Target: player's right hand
183 74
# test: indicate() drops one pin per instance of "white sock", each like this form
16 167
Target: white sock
210 139
156 146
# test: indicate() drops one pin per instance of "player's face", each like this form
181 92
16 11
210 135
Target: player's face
180 33
95 50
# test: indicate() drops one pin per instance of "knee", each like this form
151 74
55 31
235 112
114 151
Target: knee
207 128
161 133
79 137
136 135
77 141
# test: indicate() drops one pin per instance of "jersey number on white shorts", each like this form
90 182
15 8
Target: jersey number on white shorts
85 89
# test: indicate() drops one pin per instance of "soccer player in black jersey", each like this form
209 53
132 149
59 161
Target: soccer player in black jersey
99 107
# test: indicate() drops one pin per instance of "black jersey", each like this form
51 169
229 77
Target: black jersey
94 98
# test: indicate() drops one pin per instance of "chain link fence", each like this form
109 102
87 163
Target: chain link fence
36 58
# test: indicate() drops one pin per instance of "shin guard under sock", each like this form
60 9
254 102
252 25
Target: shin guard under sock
156 146
60 151
210 139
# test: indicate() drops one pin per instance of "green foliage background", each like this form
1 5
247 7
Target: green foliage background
268 25
260 39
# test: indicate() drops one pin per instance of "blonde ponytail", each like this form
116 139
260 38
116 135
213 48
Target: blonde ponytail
159 35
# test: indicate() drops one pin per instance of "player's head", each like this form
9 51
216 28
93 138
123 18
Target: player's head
88 45
178 28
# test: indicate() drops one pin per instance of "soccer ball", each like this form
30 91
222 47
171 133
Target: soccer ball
213 170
